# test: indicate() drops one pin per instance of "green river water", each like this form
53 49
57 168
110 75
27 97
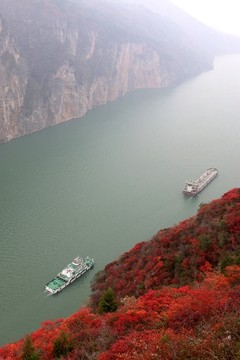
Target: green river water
98 185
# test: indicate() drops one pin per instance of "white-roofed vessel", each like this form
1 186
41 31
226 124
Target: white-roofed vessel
192 188
69 274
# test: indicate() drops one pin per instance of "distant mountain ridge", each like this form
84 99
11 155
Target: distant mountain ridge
206 37
61 58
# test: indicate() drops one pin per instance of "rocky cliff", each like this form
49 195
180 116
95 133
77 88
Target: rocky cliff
13 73
59 59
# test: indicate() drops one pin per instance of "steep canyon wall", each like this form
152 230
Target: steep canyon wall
59 60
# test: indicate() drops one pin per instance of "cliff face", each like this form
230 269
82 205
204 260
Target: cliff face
13 84
128 69
58 59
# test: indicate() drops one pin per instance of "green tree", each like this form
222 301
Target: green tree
62 345
108 302
28 351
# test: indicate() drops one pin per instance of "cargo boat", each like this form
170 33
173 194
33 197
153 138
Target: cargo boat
73 271
192 188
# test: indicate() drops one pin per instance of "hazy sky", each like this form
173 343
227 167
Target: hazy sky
223 15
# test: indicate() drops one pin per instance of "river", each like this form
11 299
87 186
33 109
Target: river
98 185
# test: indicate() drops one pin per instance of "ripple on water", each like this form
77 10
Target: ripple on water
99 185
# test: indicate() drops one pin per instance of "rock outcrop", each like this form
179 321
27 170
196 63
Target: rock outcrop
13 74
58 59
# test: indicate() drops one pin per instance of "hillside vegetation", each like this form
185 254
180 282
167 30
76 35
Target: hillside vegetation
178 255
175 296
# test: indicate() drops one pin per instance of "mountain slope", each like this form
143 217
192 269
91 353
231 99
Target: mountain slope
199 320
13 70
207 38
178 255
72 58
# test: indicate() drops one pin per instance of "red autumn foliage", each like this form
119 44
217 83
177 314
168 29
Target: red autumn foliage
178 255
188 308
200 321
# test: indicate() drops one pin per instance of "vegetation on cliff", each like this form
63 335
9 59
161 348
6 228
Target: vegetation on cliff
179 300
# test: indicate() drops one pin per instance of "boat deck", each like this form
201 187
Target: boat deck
192 188
56 283
69 274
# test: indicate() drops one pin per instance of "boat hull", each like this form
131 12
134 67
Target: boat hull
193 188
68 275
